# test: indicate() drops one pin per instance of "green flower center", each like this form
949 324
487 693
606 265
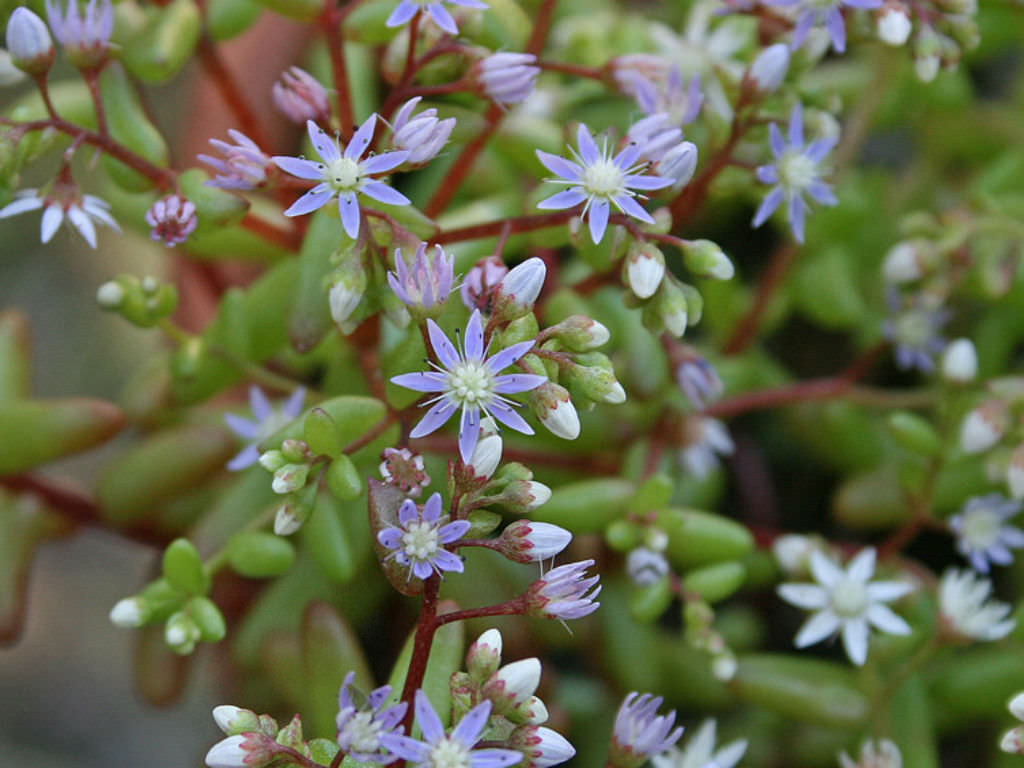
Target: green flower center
981 528
449 753
470 382
796 170
420 540
343 174
849 598
603 179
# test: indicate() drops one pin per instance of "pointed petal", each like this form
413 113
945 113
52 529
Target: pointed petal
836 28
471 726
443 348
567 198
316 198
887 620
384 162
499 361
469 433
429 722
453 531
587 147
430 381
775 140
797 213
244 428
244 458
510 417
81 221
630 207
322 143
862 567
259 405
822 193
824 570
494 758
446 561
627 157
402 14
767 208
855 641
407 512
293 406
361 138
296 166
767 174
348 209
513 383
21 205
810 597
383 193
474 342
598 219
442 18
819 626
642 181
434 419
796 126
559 166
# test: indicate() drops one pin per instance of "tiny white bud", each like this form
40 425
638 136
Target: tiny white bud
343 301
540 492
724 667
290 478
29 42
128 613
229 718
960 361
535 711
286 521
927 67
1016 706
1013 740
770 67
983 427
599 334
484 655
516 682
902 264
645 267
486 456
894 26
562 419
616 394
792 552
227 753
110 295
521 286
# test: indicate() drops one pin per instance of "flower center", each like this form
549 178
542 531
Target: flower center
796 170
343 174
420 540
603 179
914 329
272 424
471 383
849 598
449 753
361 733
981 528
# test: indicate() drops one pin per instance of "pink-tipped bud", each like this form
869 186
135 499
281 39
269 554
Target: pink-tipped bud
486 456
527 541
542 747
894 25
506 78
484 656
512 686
984 426
171 220
300 97
479 282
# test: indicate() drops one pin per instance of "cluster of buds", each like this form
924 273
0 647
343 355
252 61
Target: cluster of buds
940 38
701 635
422 135
512 487
142 302
993 427
300 97
252 740
290 466
517 714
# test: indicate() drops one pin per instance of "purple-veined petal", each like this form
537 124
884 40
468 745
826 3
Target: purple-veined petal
361 138
499 361
797 210
244 458
510 417
348 209
259 404
245 429
405 111
559 166
598 219
442 18
322 143
453 531
471 726
383 193
627 157
474 341
767 174
587 147
631 207
405 748
316 198
822 193
638 181
402 14
469 432
296 166
431 381
407 512
384 162
446 561
390 537
836 29
426 717
432 508
567 198
767 208
775 140
443 348
819 626
434 419
514 383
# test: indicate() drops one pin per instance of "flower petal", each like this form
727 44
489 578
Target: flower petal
474 341
434 419
296 166
643 181
510 417
630 207
432 508
513 383
348 209
81 221
471 726
431 381
886 620
819 626
767 208
885 591
259 405
361 138
855 641
810 597
453 531
245 429
443 348
587 147
469 432
316 198
446 561
429 722
442 18
495 758
21 205
567 198
499 361
326 147
383 193
824 570
244 458
384 162
862 567
598 219
565 169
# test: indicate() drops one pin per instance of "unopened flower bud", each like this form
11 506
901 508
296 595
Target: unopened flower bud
645 566
110 295
272 460
290 517
301 97
960 361
512 685
517 292
506 78
793 552
724 667
644 268
769 68
423 285
678 163
294 450
244 750
533 712
553 406
181 633
905 262
235 720
348 284
524 495
29 42
541 747
1016 706
671 307
580 333
289 478
1015 472
480 280
171 220
698 380
422 135
484 656
706 258
129 613
893 25
927 58
598 383
486 456
527 541
984 426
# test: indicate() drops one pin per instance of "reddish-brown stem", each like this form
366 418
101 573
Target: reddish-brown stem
410 54
436 90
514 607
331 20
810 389
572 69
496 228
227 85
541 27
425 629
771 279
44 91
463 163
162 177
376 431
286 238
91 77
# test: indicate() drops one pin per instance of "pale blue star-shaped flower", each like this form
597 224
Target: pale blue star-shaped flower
406 9
810 13
797 171
600 180
267 420
419 539
343 174
466 379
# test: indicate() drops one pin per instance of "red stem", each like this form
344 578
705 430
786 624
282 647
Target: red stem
410 54
496 228
286 238
771 280
230 92
463 163
91 78
425 629
572 69
594 465
514 607
331 21
810 389
541 27
44 91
